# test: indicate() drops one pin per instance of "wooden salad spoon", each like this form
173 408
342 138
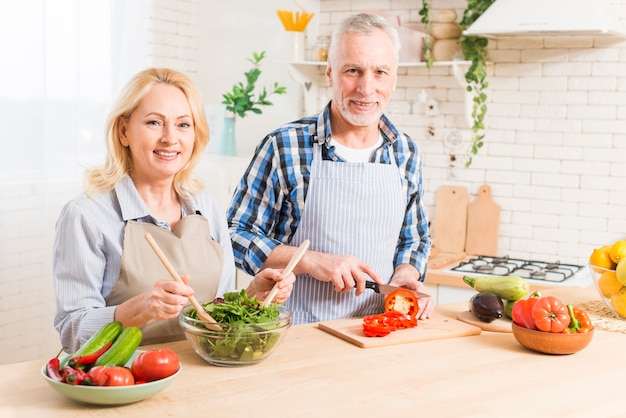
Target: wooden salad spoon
295 258
204 315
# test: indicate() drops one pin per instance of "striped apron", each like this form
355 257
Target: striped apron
351 208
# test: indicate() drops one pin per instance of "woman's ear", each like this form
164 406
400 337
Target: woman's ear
121 130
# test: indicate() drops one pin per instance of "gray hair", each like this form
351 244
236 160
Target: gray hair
363 23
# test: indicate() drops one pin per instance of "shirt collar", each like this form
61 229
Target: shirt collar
132 205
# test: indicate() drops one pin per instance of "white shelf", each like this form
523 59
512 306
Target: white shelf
308 72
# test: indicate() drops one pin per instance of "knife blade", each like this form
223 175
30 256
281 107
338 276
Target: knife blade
385 289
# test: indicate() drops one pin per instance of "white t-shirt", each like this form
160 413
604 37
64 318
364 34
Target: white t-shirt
356 155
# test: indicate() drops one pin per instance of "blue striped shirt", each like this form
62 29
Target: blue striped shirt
268 202
88 250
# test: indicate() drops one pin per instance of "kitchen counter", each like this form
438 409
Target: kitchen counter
314 374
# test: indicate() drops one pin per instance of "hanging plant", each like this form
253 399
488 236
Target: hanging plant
475 50
428 50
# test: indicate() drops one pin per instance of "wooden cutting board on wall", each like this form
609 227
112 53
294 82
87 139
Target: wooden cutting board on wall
483 224
450 223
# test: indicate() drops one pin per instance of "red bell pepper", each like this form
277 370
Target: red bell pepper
522 311
377 325
401 308
550 314
405 302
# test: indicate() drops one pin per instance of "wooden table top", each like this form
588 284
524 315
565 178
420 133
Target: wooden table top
315 374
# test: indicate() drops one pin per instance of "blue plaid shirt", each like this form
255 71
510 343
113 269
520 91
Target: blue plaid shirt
268 202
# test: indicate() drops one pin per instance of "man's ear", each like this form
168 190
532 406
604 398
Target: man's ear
329 78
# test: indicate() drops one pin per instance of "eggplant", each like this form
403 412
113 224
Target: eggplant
486 306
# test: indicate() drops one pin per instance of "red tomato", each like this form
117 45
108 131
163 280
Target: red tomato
111 376
154 365
550 314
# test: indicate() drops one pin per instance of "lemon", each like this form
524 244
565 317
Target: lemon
618 251
600 257
618 302
608 283
620 272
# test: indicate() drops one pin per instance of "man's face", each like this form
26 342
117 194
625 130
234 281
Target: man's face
363 75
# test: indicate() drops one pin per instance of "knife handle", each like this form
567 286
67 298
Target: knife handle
372 285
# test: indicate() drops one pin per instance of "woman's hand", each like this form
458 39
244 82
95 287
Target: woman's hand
164 300
264 281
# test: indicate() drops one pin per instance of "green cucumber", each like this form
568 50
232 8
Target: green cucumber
104 336
122 349
506 287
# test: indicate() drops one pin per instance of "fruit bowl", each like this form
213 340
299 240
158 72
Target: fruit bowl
236 344
551 342
611 291
110 395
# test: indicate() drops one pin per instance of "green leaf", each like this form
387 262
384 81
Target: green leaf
241 99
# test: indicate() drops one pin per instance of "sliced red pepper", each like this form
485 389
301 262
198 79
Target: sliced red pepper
88 359
377 326
403 301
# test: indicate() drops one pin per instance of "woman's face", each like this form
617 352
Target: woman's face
160 134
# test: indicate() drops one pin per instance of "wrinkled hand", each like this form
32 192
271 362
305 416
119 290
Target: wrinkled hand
343 271
166 298
264 283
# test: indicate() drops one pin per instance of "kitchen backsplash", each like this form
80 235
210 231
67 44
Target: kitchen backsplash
554 153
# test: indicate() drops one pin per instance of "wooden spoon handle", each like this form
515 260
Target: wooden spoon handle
166 263
295 258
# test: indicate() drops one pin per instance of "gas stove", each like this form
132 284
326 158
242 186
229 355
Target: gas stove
548 273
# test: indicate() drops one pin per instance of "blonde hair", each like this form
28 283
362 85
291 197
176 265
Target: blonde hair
118 161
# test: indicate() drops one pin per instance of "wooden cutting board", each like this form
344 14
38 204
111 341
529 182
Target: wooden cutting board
436 328
498 325
450 223
483 224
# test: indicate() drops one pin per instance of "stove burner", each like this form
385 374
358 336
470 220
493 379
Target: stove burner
555 272
552 266
500 260
484 267
539 275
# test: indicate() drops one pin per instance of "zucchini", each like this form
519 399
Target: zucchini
506 287
122 349
103 337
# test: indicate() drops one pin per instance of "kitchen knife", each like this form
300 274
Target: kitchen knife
385 289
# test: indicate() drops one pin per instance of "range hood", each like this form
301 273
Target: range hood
507 18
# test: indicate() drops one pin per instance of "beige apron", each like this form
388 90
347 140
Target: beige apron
190 249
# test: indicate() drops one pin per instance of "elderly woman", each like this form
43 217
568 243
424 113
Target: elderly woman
104 270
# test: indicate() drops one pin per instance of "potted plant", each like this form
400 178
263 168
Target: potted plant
242 99
475 50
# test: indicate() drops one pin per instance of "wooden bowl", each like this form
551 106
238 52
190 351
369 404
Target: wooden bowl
551 342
